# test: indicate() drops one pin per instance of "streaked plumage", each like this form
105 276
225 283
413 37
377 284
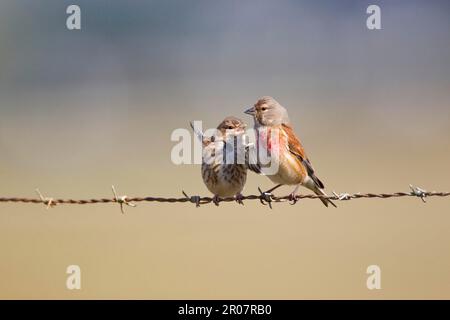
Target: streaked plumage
221 178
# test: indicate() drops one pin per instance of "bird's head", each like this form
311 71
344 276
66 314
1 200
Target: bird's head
268 112
231 126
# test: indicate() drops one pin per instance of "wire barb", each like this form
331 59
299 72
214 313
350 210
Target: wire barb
418 192
121 200
49 202
265 198
342 196
193 199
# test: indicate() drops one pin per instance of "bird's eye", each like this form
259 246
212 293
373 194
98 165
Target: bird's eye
264 108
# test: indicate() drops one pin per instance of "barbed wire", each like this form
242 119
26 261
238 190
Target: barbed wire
265 198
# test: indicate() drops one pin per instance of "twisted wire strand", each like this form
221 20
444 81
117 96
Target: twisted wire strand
263 197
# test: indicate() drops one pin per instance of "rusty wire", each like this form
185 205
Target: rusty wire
264 197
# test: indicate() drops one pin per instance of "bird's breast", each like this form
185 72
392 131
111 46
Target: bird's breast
224 180
289 170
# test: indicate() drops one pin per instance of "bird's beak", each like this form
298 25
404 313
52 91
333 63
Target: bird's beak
250 111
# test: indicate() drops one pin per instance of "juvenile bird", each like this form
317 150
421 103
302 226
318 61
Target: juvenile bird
294 167
222 176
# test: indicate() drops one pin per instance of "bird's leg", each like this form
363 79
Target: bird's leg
216 200
239 197
292 196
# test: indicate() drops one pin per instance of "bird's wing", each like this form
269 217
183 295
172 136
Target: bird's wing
198 133
251 158
296 148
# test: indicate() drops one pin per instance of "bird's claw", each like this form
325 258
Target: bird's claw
292 199
216 200
239 197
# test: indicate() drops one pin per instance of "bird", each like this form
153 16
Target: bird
224 177
294 167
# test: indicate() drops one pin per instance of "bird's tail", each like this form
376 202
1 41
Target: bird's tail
325 201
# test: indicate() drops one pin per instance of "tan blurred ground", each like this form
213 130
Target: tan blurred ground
178 251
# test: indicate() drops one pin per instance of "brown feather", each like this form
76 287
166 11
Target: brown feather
296 148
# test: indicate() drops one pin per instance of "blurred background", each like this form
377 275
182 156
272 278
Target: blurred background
81 110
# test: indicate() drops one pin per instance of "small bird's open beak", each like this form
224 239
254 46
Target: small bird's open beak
250 111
